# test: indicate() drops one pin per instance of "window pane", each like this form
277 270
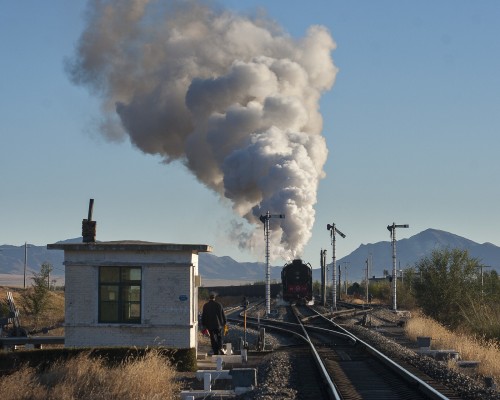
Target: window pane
120 294
109 274
109 292
132 311
131 293
135 293
131 274
109 311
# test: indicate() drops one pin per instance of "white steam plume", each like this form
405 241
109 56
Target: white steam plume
235 99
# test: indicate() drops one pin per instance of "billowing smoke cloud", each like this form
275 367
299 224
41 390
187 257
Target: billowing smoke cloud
233 98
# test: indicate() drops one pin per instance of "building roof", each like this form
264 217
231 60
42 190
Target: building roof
130 245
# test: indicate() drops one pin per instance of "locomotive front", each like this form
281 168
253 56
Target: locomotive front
296 278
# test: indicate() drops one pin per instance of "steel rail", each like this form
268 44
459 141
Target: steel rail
294 325
273 327
415 381
331 388
405 374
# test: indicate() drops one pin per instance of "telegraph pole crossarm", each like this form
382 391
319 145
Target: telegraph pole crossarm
265 220
333 230
392 230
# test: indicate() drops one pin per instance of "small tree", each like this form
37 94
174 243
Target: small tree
316 288
355 289
444 282
405 296
380 290
202 293
4 309
482 316
35 300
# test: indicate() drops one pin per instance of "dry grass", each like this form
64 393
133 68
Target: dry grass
226 301
54 315
487 352
149 377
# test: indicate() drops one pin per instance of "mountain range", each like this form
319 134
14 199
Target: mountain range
217 270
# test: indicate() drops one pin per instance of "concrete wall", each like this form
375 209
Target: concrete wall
167 319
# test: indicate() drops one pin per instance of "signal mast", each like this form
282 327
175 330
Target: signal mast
334 230
322 254
265 220
392 230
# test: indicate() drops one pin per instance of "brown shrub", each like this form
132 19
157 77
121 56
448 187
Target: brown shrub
83 377
472 348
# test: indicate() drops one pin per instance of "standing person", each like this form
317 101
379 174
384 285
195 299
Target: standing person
214 319
244 303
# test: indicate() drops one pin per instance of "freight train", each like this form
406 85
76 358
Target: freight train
296 279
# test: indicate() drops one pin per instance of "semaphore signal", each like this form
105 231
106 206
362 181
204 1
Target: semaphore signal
265 220
334 230
392 230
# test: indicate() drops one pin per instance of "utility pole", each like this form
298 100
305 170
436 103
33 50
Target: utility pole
25 263
392 230
265 220
402 272
482 280
346 282
366 276
49 270
370 263
339 283
334 230
323 276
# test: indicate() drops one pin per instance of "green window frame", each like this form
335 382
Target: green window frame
120 295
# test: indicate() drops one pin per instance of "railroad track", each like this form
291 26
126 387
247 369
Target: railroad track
346 367
361 372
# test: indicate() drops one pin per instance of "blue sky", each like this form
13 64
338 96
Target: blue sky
412 126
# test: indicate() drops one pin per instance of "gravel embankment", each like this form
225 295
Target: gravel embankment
274 374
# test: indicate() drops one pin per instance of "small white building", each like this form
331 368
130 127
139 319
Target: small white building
131 293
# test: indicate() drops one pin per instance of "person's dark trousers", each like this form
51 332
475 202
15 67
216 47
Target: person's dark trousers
216 340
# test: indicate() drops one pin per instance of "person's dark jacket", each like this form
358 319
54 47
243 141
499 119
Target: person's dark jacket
213 316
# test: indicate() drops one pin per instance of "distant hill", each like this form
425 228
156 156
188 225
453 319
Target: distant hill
411 250
12 259
214 268
225 268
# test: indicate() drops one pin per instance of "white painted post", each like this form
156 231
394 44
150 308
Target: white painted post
207 382
219 363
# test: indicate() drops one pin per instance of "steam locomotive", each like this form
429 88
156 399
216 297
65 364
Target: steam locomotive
296 278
